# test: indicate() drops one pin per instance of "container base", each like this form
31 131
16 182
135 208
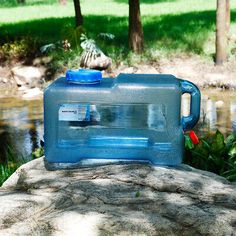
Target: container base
95 162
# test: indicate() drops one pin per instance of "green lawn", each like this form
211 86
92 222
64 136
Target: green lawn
39 9
185 26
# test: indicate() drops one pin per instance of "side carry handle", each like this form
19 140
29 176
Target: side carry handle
190 121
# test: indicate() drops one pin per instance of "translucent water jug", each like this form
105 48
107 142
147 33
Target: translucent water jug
134 117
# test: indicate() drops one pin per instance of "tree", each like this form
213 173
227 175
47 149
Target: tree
78 14
136 39
221 32
20 1
228 16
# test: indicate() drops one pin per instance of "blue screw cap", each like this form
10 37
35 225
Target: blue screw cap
83 76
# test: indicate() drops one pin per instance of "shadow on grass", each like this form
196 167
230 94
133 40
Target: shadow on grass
146 1
13 3
187 32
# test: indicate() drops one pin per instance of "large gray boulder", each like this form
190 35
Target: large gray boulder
131 199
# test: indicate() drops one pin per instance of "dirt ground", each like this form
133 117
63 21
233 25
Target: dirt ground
200 71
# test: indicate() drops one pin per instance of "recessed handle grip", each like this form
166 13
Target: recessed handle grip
188 122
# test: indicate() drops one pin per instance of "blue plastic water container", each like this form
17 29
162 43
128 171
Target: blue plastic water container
134 117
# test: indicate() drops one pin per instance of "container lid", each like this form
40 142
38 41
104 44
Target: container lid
83 76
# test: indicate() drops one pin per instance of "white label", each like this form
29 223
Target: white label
74 112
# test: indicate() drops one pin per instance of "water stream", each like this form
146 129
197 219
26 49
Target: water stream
21 122
21 126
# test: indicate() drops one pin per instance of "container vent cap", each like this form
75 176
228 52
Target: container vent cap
83 76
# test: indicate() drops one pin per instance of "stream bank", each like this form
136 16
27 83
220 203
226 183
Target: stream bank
28 81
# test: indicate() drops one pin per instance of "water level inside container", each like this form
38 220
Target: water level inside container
81 123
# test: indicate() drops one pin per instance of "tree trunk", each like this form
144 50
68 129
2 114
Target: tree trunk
228 16
78 14
221 39
136 40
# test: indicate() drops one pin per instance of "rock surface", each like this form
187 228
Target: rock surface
28 75
32 93
131 199
24 81
93 61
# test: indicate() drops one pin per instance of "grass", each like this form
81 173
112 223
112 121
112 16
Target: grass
38 9
10 165
12 162
7 170
170 26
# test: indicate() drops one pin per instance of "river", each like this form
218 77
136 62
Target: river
21 126
21 121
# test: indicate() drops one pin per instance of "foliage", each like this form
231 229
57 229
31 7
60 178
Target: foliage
91 50
185 26
17 3
67 53
47 48
77 39
13 162
166 29
214 153
72 34
8 3
38 152
10 165
18 49
91 46
106 36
